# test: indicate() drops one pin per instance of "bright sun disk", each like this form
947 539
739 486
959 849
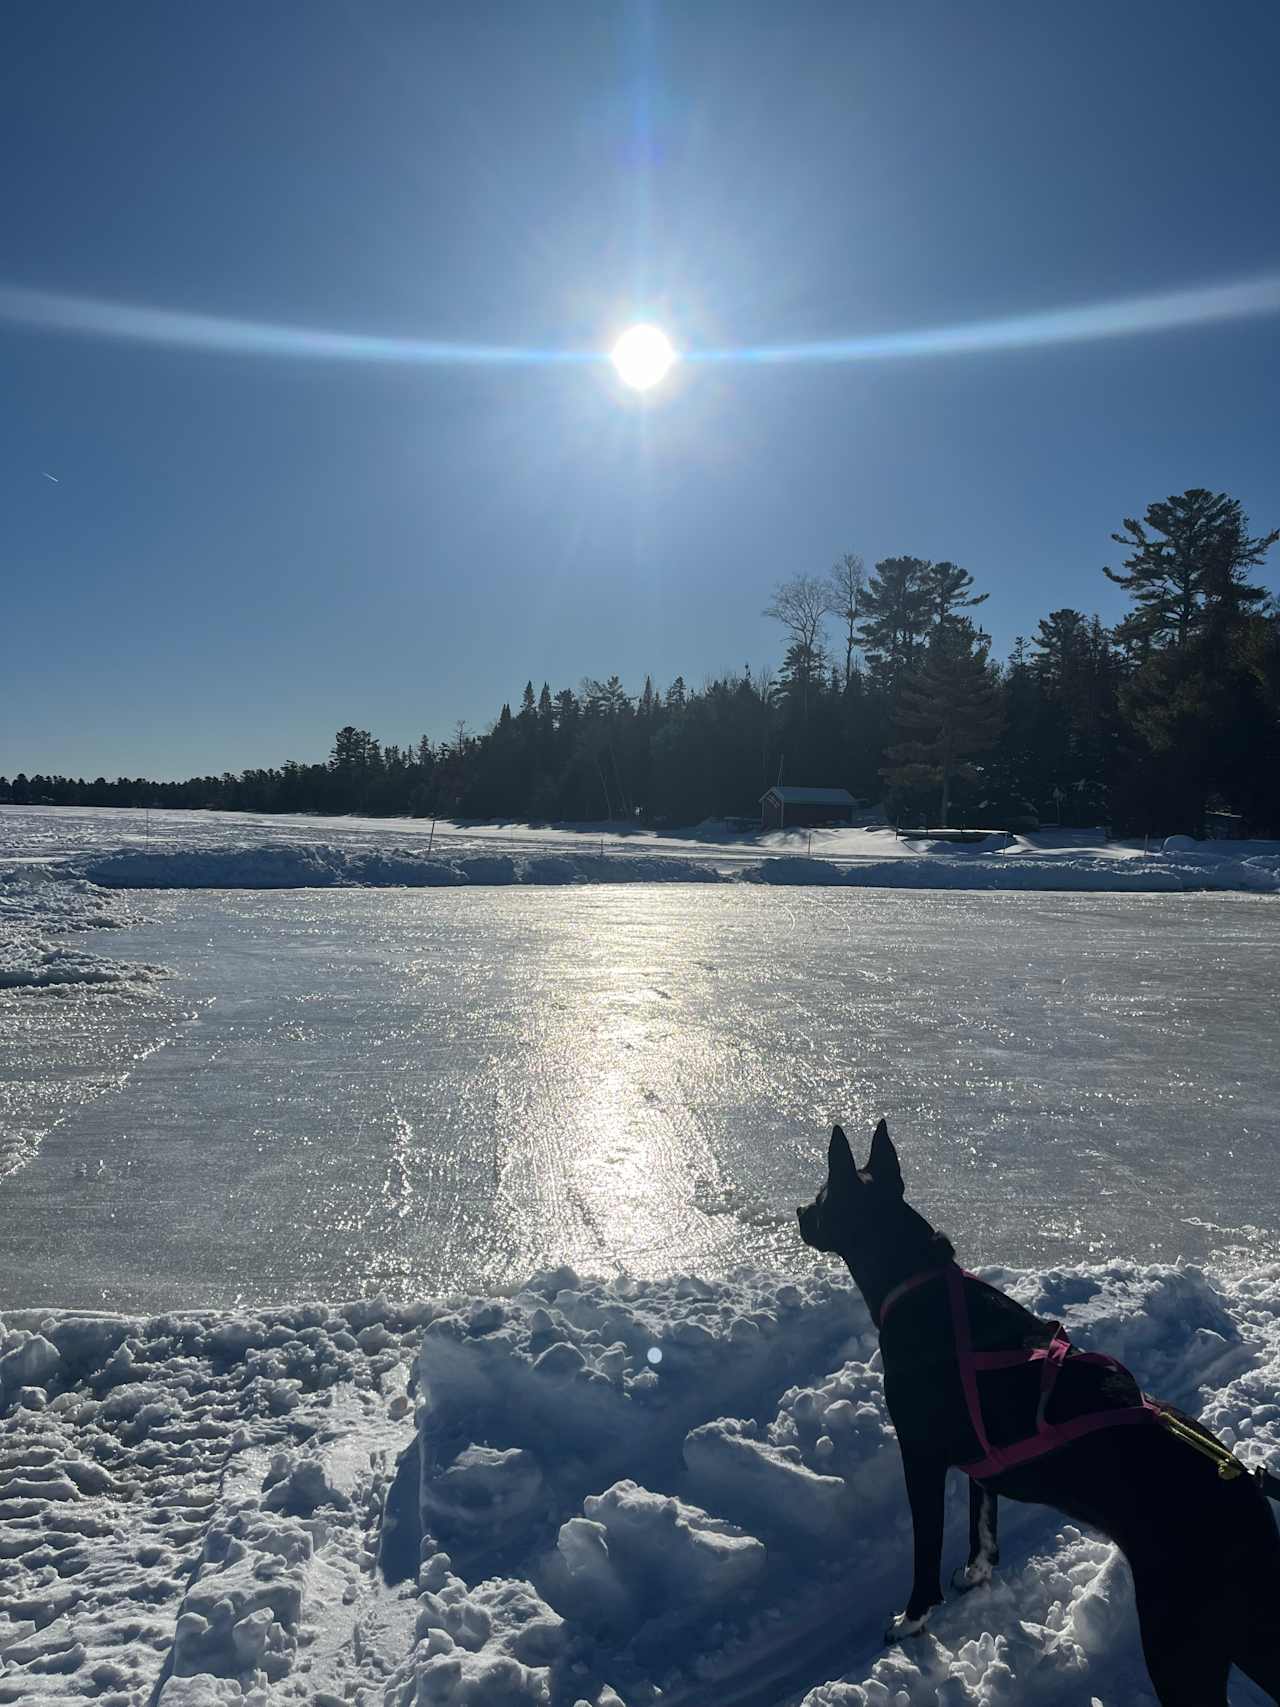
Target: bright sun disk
642 356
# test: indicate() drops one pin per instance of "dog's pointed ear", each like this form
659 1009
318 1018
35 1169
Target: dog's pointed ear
840 1163
882 1164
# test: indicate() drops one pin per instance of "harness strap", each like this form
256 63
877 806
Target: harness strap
1048 1436
905 1286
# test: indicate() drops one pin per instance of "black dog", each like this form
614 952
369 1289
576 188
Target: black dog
1195 1528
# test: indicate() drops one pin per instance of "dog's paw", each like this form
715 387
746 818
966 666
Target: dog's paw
903 1625
976 1575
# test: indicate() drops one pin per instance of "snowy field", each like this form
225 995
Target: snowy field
241 1070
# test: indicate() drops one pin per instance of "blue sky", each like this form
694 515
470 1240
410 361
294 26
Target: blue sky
242 549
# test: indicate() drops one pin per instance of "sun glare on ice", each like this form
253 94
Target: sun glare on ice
642 356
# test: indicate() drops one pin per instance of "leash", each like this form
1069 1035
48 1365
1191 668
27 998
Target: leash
1229 1466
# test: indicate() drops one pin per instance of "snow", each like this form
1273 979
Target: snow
116 848
193 1505
323 866
928 865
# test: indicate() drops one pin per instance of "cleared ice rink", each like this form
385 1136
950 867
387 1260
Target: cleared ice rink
341 1092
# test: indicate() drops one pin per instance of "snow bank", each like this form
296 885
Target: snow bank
958 867
325 866
927 865
612 1492
119 849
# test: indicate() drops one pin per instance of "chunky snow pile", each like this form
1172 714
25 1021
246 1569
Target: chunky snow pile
39 904
324 866
47 896
31 962
692 1492
190 1505
588 1492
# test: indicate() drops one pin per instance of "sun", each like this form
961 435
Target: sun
642 356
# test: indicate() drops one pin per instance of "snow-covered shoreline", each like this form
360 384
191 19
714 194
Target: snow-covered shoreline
684 1490
46 894
943 866
64 869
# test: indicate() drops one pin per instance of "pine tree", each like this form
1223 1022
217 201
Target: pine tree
895 617
948 590
1186 566
948 713
1076 676
1190 699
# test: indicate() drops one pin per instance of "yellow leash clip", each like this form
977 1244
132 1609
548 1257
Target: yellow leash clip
1229 1466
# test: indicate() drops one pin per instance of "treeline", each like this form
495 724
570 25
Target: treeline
887 688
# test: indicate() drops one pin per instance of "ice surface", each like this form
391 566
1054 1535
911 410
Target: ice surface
192 1505
416 1090
73 1018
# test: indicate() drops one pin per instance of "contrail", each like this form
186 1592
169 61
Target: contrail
175 328
52 477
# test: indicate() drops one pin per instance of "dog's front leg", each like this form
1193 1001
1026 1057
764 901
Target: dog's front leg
984 1547
926 1491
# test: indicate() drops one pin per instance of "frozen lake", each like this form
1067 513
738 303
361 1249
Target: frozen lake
341 1092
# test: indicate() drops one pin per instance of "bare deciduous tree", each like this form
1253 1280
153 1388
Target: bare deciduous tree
800 605
845 584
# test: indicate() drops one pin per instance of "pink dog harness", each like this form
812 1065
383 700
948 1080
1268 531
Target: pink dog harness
1048 1436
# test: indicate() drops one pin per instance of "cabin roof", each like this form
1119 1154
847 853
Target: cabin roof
790 796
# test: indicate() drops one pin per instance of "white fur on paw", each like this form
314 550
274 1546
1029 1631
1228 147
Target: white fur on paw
900 1627
977 1575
